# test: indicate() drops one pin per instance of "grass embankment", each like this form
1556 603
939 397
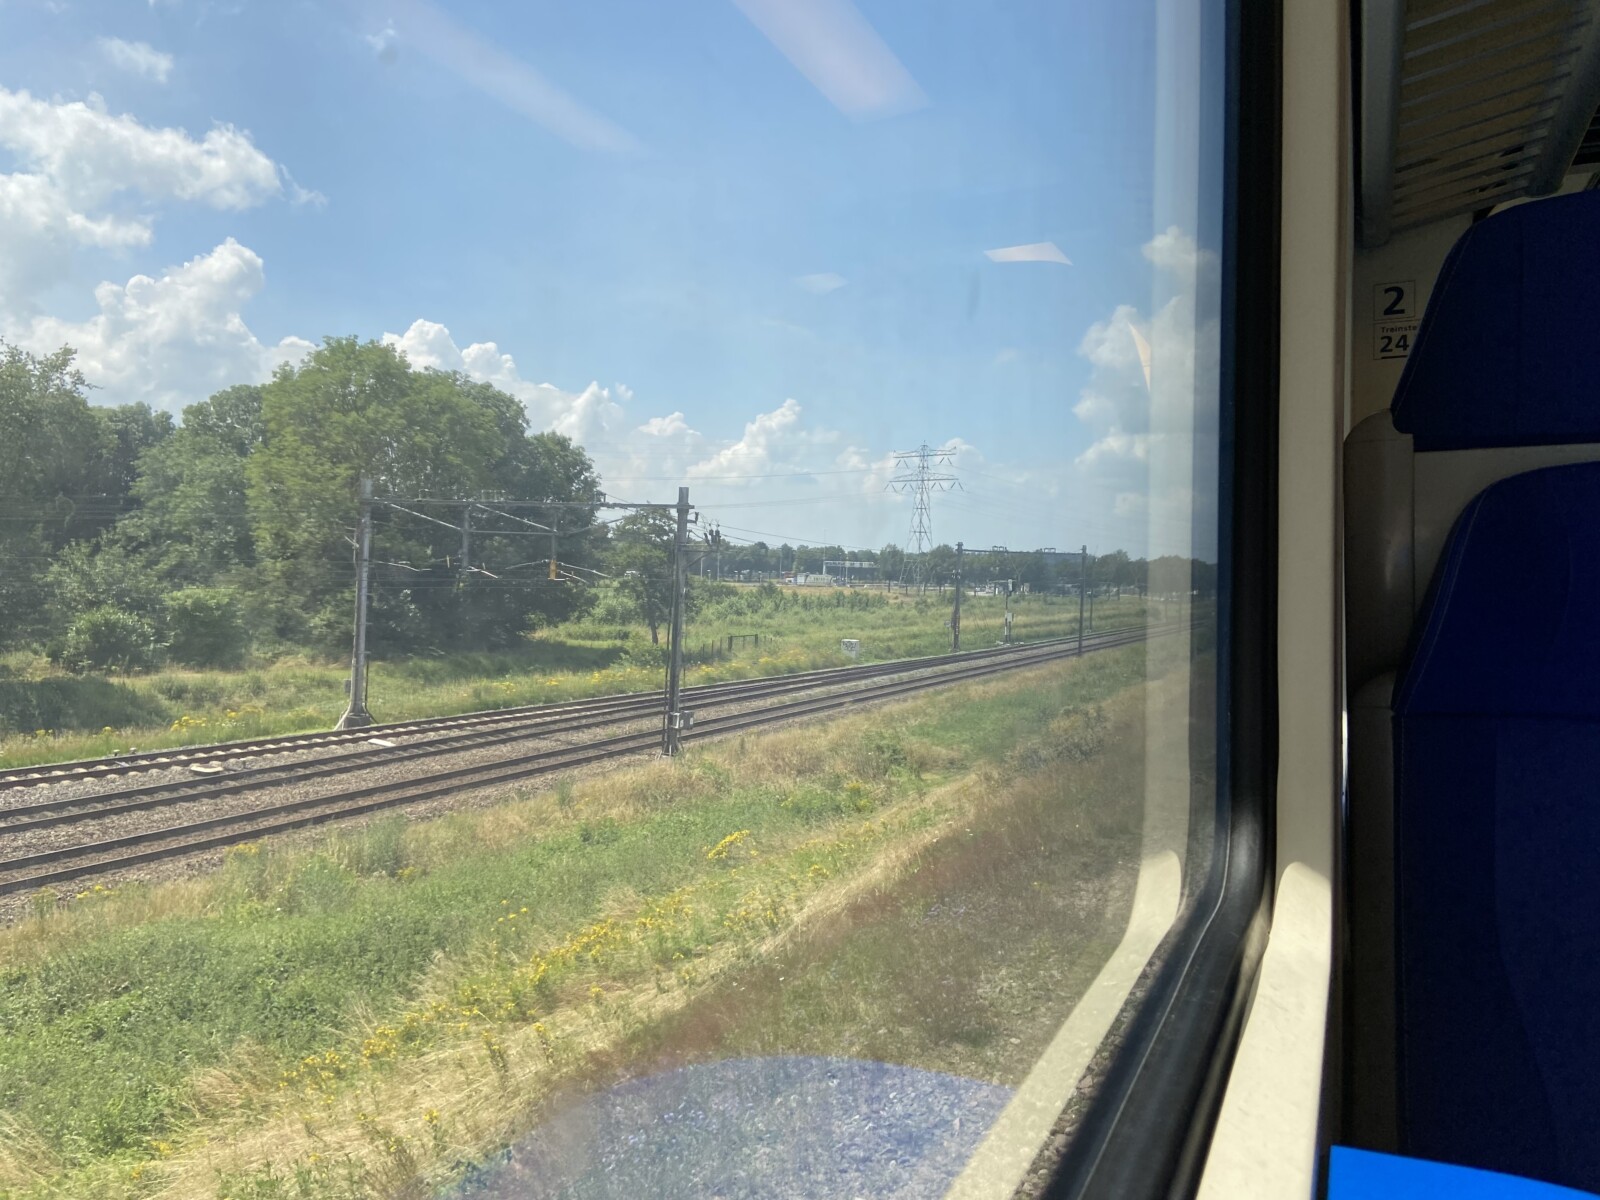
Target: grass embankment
47 715
365 1018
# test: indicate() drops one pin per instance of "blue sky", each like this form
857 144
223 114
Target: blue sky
736 243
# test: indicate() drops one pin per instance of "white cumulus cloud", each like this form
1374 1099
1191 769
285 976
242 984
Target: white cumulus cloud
87 177
587 415
137 58
169 340
93 154
767 440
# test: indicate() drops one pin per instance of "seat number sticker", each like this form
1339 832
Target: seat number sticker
1395 319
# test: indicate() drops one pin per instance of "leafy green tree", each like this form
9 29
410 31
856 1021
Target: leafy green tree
1172 573
89 575
52 450
506 588
205 628
351 410
1034 571
891 562
51 442
641 560
192 516
130 432
940 564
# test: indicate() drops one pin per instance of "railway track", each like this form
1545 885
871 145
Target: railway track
27 871
219 753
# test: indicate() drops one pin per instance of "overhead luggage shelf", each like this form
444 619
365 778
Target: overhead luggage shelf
1469 103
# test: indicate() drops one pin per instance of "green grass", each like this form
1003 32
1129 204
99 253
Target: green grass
48 716
310 986
972 962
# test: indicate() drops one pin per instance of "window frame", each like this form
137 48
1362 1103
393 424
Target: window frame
1146 1131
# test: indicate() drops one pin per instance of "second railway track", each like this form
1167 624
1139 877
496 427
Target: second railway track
645 703
59 863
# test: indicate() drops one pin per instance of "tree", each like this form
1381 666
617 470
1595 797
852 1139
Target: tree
1172 573
204 628
52 450
131 431
1032 570
939 564
504 589
1113 569
891 562
641 560
192 516
352 410
89 575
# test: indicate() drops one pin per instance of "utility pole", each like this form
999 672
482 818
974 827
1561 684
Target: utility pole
356 715
955 614
676 720
1083 588
466 542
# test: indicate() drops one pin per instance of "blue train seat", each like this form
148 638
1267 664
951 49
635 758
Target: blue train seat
1497 839
1495 728
1506 352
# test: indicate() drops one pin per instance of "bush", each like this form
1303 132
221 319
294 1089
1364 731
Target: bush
107 639
205 628
644 654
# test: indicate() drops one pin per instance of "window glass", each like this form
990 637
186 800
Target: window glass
780 435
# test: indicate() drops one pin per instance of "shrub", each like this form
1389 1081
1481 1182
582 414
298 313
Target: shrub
205 628
107 639
645 655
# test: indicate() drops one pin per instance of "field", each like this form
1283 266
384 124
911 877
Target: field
47 715
373 1014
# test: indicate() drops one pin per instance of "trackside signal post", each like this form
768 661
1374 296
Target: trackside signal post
356 715
1083 588
955 612
676 720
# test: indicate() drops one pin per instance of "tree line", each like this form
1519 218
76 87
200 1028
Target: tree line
128 539
1037 570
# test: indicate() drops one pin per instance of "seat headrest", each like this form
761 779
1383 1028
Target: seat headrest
1508 352
1511 626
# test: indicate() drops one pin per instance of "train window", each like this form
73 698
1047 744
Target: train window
626 599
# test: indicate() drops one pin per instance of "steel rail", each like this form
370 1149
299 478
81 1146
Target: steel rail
93 768
127 850
64 810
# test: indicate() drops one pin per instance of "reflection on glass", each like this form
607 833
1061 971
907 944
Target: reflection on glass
920 303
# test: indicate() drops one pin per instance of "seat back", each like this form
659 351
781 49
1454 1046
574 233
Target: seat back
1505 353
1503 378
1497 839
